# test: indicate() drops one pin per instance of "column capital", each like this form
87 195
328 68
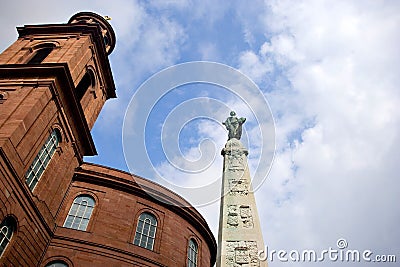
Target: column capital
234 147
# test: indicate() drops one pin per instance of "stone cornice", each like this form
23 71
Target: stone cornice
57 77
71 29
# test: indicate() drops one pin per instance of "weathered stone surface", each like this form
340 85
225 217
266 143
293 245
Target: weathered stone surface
246 216
241 254
240 235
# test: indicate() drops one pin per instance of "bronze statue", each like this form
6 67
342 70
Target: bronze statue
234 125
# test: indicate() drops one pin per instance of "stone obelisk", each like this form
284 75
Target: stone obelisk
239 236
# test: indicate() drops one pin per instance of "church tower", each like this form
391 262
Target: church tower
54 81
239 236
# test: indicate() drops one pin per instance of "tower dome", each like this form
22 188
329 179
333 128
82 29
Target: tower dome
106 29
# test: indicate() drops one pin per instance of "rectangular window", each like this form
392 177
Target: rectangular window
42 159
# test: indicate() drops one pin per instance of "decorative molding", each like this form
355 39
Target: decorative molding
146 189
61 86
236 162
233 218
246 216
239 187
239 217
241 254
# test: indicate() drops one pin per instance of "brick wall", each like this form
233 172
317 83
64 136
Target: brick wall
108 240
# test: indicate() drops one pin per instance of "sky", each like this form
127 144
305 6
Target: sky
329 71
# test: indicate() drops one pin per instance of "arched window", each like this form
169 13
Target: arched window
57 264
41 54
87 82
42 159
80 212
192 253
146 231
7 228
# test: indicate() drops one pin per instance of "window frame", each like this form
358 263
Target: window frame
86 83
78 215
38 56
7 222
58 259
193 253
50 264
42 160
140 233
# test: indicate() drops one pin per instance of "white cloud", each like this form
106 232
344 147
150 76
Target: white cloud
163 4
209 10
336 177
331 70
147 43
255 66
208 51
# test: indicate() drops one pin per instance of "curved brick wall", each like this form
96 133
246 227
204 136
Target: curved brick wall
108 240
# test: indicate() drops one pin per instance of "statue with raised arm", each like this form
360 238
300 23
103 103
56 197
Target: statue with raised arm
234 125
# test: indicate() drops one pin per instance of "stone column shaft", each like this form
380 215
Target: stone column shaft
239 236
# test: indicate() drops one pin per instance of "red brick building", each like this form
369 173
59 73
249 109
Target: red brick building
55 209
